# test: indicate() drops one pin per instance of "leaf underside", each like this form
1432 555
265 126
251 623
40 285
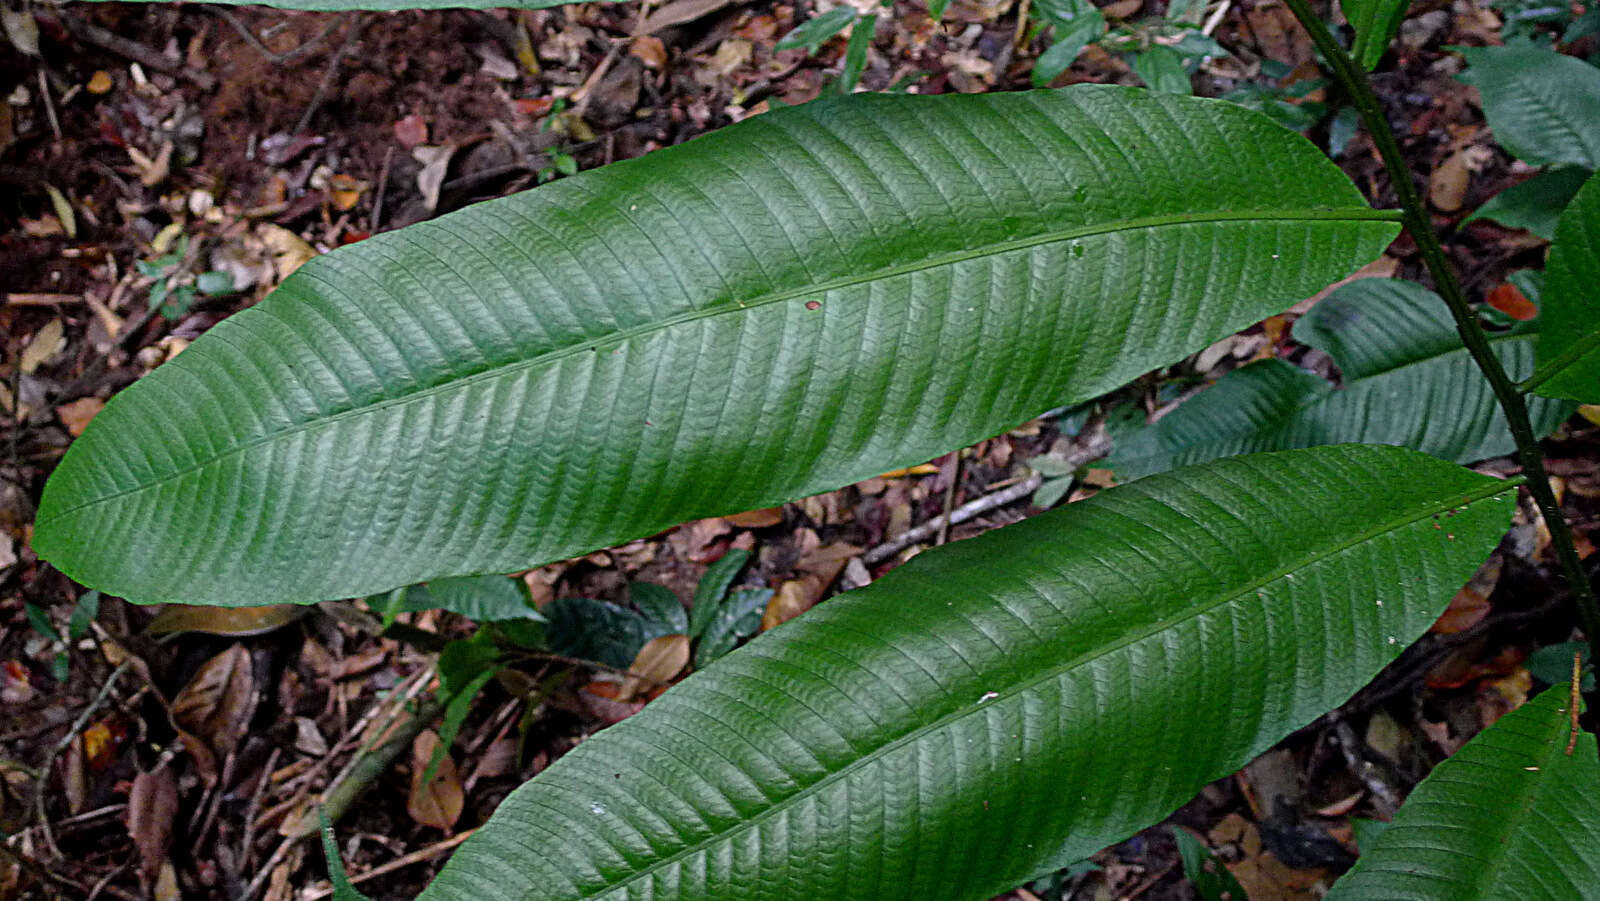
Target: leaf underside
1047 688
785 306
1408 381
1569 346
1510 815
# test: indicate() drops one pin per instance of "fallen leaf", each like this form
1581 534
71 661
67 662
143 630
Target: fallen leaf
435 165
650 51
757 519
1342 806
76 415
45 344
661 658
1509 299
678 12
1447 184
99 82
792 598
152 807
411 131
289 251
1467 609
233 621
438 803
211 711
345 190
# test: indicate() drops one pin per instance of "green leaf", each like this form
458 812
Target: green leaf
1408 381
1510 815
1535 204
736 619
342 889
936 9
1211 880
816 31
896 741
1542 106
481 598
1161 69
1569 341
1051 492
855 55
214 283
465 659
39 619
660 606
1376 22
713 588
455 713
599 631
87 608
791 304
1366 832
389 5
1552 664
1078 23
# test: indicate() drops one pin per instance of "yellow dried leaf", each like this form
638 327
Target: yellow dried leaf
233 621
76 415
99 82
45 344
661 658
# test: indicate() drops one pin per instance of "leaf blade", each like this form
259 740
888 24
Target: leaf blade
1013 656
868 267
1446 843
1569 342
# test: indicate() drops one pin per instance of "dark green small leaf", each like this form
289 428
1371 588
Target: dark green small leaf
481 598
176 302
815 32
464 660
936 9
660 606
1552 664
83 614
1078 24
1161 69
597 630
1051 492
737 619
40 620
455 713
523 633
1211 880
713 588
1342 129
1536 204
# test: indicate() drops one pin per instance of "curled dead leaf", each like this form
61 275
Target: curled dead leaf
152 807
211 711
233 621
661 658
439 802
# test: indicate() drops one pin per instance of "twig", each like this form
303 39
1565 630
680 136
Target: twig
55 752
1150 883
376 222
950 496
328 74
580 97
1022 25
1572 700
49 104
957 516
286 56
1094 445
247 842
417 856
1216 17
139 53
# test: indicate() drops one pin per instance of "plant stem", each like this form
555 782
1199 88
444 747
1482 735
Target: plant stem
1354 80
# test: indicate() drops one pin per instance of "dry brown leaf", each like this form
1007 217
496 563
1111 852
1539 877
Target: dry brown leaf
435 165
661 658
439 802
757 519
233 621
1467 609
76 415
289 251
166 887
45 344
650 50
211 711
152 807
678 12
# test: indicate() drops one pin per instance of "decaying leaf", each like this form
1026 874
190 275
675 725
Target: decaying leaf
233 621
661 658
211 711
45 344
152 807
76 415
437 803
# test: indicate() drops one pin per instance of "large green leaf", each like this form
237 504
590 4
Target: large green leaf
782 307
1040 691
1543 106
1408 381
1375 22
1569 346
1512 815
1535 204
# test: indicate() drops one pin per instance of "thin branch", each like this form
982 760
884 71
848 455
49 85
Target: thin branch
1354 80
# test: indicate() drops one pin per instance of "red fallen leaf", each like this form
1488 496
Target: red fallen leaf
1509 300
411 131
535 106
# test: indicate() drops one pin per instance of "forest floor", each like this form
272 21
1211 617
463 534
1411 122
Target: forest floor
176 753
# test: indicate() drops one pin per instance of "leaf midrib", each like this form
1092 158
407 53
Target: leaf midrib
620 336
1455 502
